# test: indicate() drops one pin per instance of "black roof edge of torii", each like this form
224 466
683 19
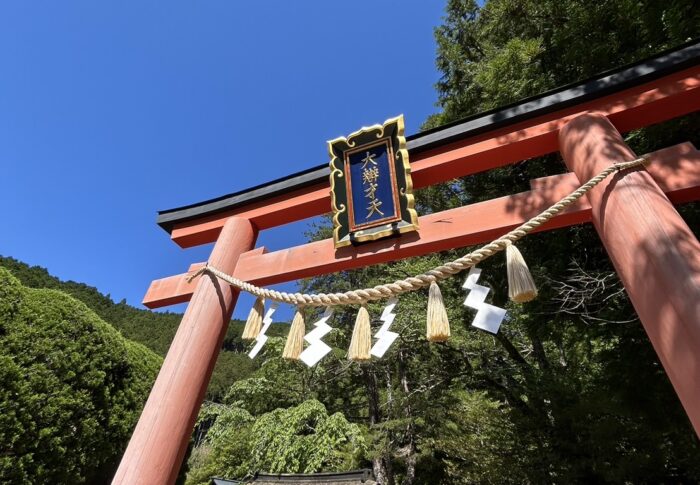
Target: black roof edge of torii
624 77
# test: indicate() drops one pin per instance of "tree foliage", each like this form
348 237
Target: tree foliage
155 330
298 439
506 50
71 388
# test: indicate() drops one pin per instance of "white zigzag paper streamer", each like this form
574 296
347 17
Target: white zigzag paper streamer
384 337
317 349
488 317
262 338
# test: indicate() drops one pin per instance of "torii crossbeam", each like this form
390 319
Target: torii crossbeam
657 257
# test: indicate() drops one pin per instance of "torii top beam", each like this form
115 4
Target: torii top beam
641 94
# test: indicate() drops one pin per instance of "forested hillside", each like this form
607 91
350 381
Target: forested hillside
71 388
155 330
570 390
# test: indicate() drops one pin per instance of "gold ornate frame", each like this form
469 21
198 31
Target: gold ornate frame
392 131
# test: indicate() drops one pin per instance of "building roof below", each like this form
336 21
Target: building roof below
355 477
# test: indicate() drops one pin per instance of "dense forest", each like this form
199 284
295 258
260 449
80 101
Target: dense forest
569 391
71 387
155 330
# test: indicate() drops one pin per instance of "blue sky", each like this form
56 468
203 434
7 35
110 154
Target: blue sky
111 111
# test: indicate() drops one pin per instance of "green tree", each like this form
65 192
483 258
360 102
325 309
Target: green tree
155 330
71 388
299 439
505 50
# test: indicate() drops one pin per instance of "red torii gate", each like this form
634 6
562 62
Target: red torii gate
656 256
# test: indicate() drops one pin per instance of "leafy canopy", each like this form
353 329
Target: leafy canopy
71 388
299 439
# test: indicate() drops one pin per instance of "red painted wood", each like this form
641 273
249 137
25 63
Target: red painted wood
172 290
654 252
676 170
643 105
277 211
159 442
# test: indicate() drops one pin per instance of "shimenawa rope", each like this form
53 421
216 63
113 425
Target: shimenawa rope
358 297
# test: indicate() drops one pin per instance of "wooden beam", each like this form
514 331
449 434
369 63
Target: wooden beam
675 169
643 105
654 252
159 442
172 290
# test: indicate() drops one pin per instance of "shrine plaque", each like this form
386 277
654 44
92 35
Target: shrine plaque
371 188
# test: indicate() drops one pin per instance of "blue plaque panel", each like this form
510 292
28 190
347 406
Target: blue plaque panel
371 179
371 188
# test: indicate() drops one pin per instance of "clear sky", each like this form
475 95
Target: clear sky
111 111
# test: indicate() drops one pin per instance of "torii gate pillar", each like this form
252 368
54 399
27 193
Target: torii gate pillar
652 248
159 442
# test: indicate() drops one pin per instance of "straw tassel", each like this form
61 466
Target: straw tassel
361 341
438 327
521 287
295 339
254 322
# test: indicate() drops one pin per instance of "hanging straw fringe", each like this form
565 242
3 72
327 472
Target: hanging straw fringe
438 327
254 322
361 341
381 292
521 287
295 339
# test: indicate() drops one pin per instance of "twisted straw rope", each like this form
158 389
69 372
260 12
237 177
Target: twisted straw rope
355 297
